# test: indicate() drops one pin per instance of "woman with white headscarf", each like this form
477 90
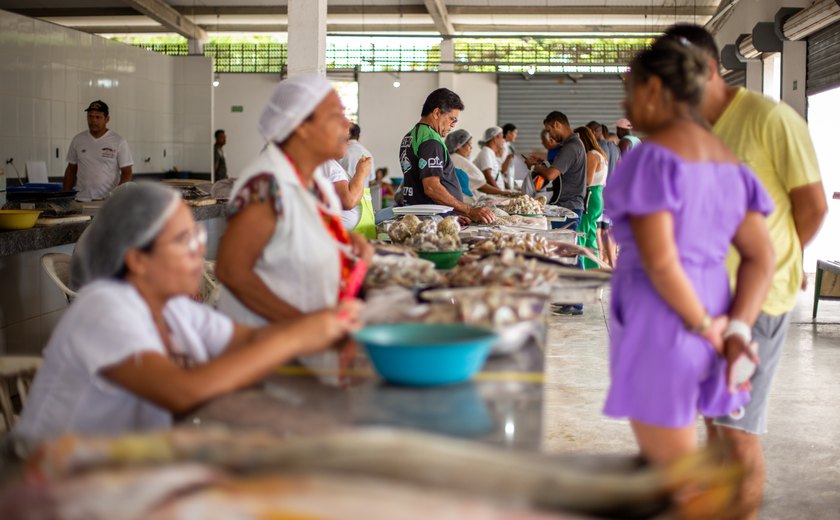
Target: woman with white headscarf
134 348
285 251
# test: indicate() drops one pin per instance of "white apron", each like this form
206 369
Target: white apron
301 262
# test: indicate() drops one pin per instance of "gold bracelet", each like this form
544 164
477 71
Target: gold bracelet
702 327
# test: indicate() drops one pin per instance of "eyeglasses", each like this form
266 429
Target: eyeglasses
192 241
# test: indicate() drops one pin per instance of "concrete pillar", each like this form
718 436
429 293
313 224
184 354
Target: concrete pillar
307 37
793 75
446 76
196 46
755 75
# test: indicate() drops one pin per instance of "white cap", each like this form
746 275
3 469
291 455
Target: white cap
292 101
489 134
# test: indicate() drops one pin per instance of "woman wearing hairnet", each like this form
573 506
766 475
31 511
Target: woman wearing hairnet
285 251
133 348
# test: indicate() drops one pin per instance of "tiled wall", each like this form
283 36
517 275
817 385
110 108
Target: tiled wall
49 74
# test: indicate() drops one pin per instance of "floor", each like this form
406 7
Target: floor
802 446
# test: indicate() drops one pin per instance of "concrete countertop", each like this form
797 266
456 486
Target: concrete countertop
502 405
15 242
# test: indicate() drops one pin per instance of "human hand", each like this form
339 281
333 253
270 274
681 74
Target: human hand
714 333
804 285
322 330
733 349
363 166
483 215
532 160
361 246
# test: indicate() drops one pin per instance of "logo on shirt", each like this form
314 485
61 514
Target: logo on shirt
434 163
422 163
405 164
108 153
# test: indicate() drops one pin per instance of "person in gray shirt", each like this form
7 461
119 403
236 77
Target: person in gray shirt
609 148
568 167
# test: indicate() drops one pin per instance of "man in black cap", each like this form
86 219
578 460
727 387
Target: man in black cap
99 159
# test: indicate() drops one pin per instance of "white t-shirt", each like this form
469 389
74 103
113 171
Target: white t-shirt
336 173
108 323
510 174
99 162
355 151
487 158
476 178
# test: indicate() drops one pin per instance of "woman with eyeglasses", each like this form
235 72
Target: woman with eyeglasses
678 201
134 349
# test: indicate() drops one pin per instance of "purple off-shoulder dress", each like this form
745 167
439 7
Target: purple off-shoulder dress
661 374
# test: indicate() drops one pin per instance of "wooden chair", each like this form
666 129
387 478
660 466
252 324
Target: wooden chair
824 266
57 267
16 375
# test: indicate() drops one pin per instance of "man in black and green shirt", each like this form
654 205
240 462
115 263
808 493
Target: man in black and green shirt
429 176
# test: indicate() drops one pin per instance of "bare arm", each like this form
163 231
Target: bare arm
255 356
506 162
435 190
809 208
654 235
488 178
592 163
70 176
248 232
350 193
755 273
491 190
125 174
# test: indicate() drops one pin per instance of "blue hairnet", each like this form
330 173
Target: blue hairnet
132 217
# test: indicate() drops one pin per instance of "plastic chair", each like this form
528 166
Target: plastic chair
210 284
16 373
57 267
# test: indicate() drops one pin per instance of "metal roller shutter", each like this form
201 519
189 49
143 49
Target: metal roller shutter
736 78
526 102
823 72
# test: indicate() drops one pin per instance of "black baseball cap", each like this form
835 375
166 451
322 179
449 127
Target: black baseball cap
99 106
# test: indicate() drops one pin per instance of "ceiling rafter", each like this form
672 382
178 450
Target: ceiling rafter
164 14
437 10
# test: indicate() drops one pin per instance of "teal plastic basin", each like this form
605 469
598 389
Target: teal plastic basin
426 354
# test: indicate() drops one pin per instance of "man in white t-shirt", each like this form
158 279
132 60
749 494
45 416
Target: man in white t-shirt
98 160
509 132
489 159
355 151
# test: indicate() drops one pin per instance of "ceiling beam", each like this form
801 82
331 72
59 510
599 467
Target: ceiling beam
545 31
587 10
168 17
437 10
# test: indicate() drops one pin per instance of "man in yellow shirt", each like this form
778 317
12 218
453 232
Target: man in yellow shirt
773 140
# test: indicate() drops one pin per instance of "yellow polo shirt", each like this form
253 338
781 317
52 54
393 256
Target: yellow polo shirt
773 140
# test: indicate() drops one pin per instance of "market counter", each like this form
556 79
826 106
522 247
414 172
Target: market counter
15 242
502 405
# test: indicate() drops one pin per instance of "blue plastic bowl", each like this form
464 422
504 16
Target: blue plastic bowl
426 354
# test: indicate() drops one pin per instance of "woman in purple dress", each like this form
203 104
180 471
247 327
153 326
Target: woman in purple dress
678 201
